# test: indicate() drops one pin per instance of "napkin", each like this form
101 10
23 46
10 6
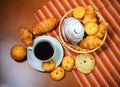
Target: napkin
107 69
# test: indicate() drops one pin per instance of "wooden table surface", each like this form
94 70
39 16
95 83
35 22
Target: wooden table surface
15 14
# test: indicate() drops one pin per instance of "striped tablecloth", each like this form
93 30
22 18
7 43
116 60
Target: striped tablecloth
107 70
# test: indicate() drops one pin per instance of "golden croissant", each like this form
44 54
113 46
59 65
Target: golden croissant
90 42
102 30
45 26
26 36
90 10
90 15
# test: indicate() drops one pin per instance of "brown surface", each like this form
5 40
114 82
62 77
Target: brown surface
15 14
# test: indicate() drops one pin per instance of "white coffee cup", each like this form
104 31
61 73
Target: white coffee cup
43 49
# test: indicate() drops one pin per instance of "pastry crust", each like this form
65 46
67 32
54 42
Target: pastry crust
91 28
45 25
49 65
91 42
90 15
68 63
26 36
102 30
79 12
57 74
85 63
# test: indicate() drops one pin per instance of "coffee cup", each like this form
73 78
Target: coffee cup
43 49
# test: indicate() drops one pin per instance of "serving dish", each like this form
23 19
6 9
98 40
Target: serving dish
73 47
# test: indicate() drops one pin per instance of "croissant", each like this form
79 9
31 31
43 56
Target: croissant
90 15
45 26
90 42
90 10
26 36
102 29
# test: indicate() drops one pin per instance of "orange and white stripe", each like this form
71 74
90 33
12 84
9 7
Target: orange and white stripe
65 4
102 69
107 72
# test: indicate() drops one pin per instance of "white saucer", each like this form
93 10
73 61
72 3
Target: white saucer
36 63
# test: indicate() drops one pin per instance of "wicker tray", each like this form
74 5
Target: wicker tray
76 48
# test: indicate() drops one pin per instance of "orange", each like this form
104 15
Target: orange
18 52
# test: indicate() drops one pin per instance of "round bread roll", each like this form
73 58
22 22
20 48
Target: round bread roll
57 74
68 63
49 65
91 28
85 63
18 52
79 12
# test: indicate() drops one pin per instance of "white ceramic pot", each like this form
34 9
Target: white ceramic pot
72 30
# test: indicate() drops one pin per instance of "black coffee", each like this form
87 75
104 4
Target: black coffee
43 50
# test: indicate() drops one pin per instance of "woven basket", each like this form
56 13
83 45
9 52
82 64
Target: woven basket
76 48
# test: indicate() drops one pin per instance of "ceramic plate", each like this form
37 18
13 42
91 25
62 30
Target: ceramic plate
36 63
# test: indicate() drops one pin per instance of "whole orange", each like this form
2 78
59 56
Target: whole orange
18 52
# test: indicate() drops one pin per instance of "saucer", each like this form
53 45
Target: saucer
36 63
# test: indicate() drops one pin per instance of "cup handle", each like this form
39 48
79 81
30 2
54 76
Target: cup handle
29 48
